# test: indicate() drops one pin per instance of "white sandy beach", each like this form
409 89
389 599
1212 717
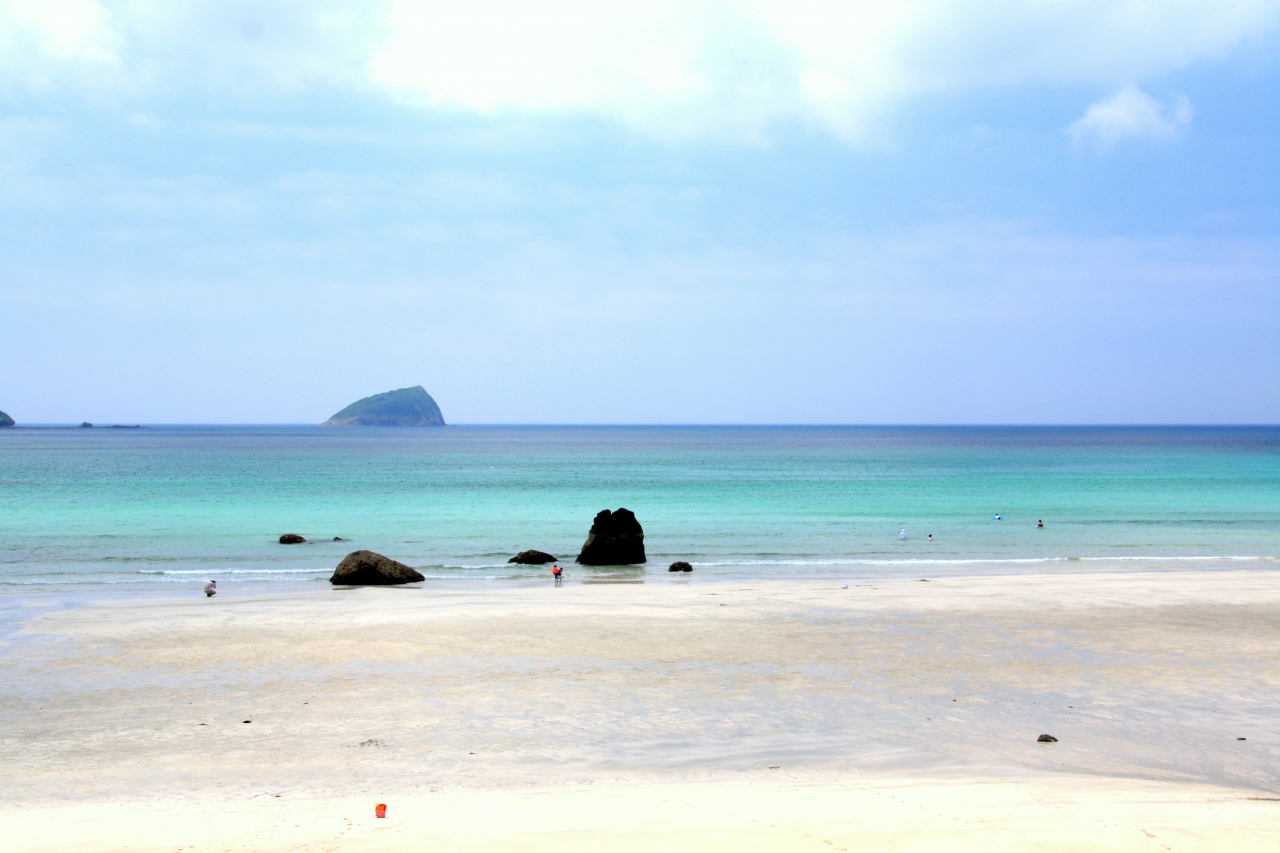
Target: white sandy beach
900 715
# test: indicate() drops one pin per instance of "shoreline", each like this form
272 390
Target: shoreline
239 580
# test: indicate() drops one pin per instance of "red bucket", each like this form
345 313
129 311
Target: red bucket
380 810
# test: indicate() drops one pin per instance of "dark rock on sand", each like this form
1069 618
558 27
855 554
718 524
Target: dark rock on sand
532 558
5 420
1046 739
407 407
616 539
680 566
365 568
290 539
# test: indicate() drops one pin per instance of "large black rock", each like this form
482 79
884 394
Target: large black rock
616 539
291 539
365 568
532 558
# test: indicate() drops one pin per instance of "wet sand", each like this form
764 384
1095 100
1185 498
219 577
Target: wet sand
897 714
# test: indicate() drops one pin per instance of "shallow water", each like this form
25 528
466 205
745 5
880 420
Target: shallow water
172 506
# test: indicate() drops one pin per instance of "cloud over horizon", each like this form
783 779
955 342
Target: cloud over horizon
758 212
668 70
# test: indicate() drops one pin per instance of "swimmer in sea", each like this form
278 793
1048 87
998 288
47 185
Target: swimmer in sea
1040 523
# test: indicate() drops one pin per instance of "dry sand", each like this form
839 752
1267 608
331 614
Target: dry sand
900 715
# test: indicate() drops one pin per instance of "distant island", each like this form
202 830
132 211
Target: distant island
407 407
5 420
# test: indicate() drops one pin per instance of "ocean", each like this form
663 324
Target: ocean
166 508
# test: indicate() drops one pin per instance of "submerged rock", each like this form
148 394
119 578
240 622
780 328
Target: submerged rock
366 568
532 558
1046 739
616 539
290 539
680 566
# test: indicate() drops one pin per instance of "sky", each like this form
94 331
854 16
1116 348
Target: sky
795 212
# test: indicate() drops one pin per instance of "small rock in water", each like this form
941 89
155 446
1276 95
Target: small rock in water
248 721
1240 738
340 539
1046 739
680 566
290 539
532 558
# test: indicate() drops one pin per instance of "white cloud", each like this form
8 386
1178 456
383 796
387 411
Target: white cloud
61 29
1130 113
668 69
686 69
42 40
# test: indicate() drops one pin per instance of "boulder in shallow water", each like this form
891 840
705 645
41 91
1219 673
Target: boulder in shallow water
616 539
365 568
680 566
532 558
290 539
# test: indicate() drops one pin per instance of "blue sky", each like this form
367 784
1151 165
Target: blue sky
974 212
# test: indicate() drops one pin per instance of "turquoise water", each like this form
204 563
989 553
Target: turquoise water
174 505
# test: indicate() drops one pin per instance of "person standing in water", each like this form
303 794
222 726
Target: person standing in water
210 589
556 572
1039 522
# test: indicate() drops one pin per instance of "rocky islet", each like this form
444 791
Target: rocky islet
404 407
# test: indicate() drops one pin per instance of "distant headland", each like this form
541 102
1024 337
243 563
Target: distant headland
406 407
5 420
